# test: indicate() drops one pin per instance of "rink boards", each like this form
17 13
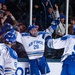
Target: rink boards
23 67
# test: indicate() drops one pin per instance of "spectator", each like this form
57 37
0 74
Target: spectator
61 28
52 14
9 18
37 6
37 9
72 24
46 4
63 9
3 9
0 6
21 28
1 18
49 16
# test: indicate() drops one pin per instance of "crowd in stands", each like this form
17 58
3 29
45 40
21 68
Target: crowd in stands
16 13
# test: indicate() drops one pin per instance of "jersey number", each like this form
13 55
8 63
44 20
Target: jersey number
36 46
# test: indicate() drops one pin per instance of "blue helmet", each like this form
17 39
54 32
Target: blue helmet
6 27
10 37
30 27
62 16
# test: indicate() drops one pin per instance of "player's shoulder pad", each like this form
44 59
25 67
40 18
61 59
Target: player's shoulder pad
24 34
2 46
42 32
12 53
73 36
65 37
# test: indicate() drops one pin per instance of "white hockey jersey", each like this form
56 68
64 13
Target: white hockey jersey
34 46
67 42
8 60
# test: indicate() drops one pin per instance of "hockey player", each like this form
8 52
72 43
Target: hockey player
34 44
8 56
68 58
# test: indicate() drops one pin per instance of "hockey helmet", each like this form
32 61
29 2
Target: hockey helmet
30 27
6 27
10 36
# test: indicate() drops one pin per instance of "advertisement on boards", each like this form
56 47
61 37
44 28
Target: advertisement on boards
23 68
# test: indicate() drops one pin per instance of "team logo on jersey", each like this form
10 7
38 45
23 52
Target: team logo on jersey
15 64
15 54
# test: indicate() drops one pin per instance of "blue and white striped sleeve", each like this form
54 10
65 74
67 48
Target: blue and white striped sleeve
1 70
58 43
53 26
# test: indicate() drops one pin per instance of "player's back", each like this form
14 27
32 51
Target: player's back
8 60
